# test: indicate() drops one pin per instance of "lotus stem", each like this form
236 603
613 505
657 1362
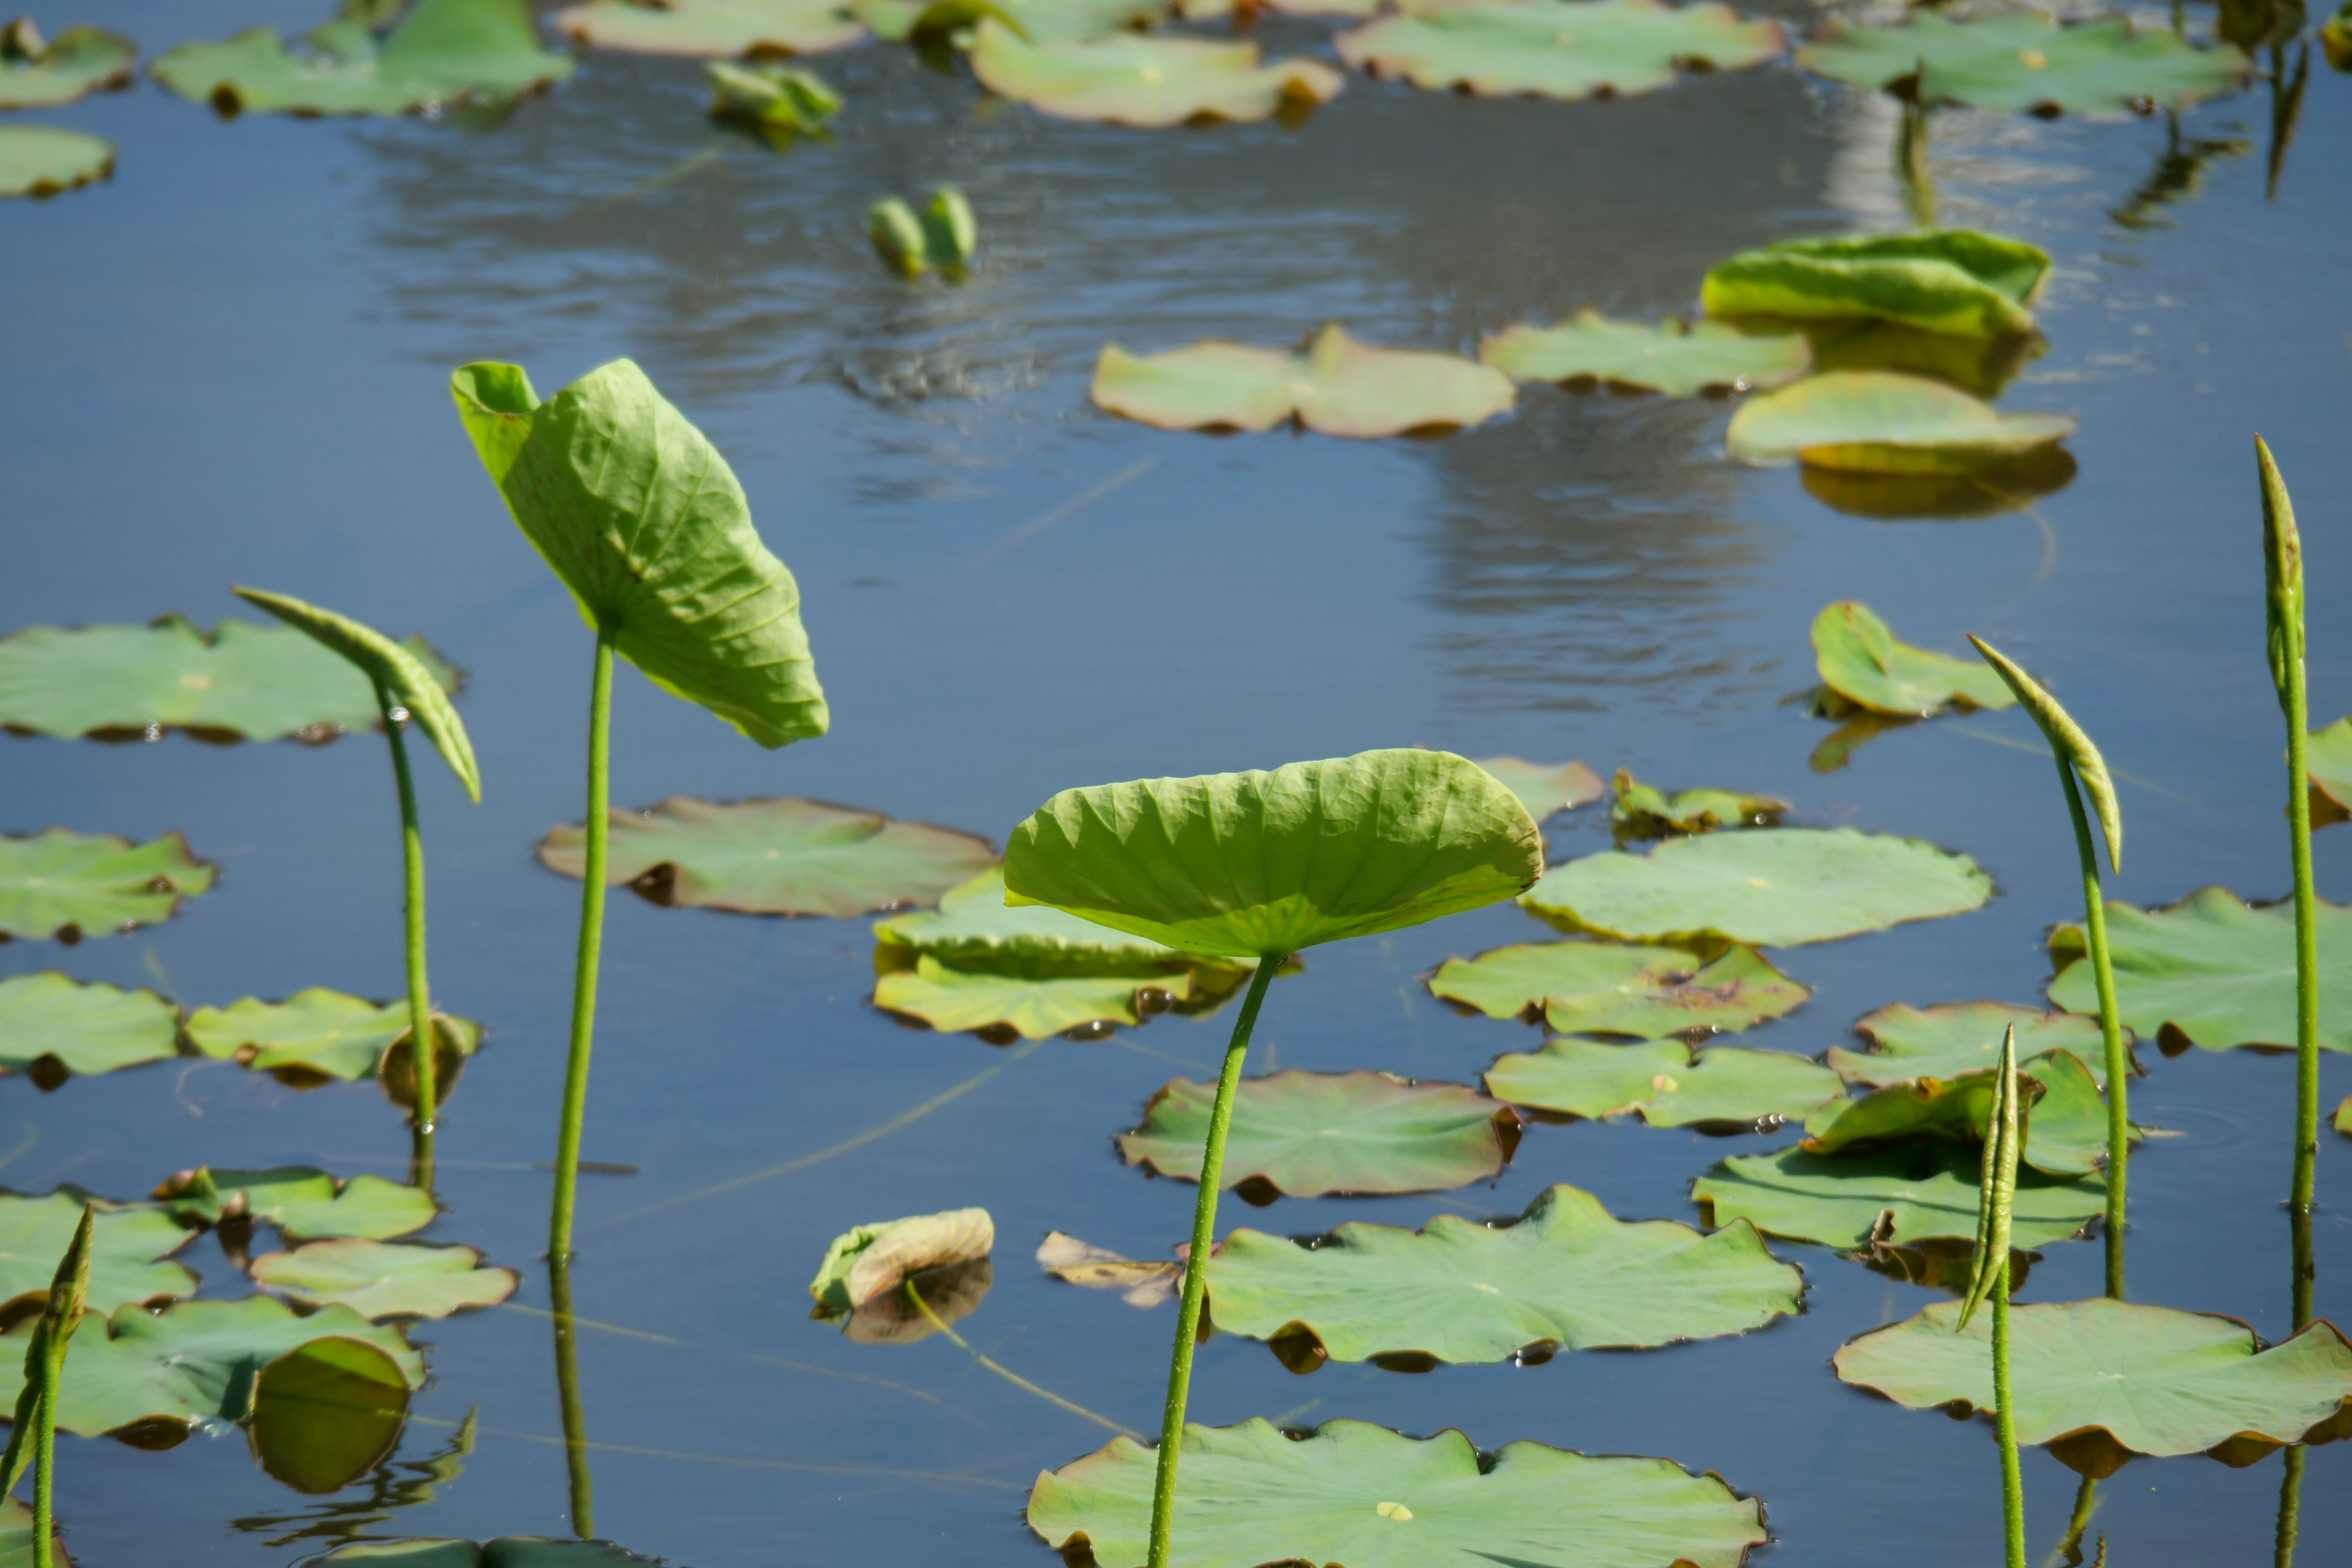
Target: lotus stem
592 940
420 1038
2290 1509
44 1462
567 1393
2111 1031
2069 1554
420 1158
1911 165
2306 1268
2012 1479
1196 1264
1989 1277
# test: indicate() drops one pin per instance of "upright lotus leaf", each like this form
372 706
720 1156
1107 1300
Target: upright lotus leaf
1362 1495
974 924
445 53
1309 1133
45 160
72 885
130 1246
1876 422
1129 79
716 29
1954 1037
327 1033
38 73
2028 60
1665 1083
50 1026
1896 1195
1647 810
1608 988
2065 1127
2327 756
1560 49
1336 386
506 1552
875 1259
380 1279
1547 791
1004 1007
644 522
302 1203
1776 887
1677 359
1953 282
785 99
2212 971
1860 660
326 1412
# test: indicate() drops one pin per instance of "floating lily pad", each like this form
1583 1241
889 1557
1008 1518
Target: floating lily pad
715 29
1547 791
51 1026
874 1259
1954 1037
2327 755
2066 1128
445 53
2211 971
1042 21
2158 1380
2028 60
326 1412
1665 1083
38 73
1869 421
380 1279
1337 385
1647 810
1614 48
44 159
1948 282
1679 360
973 921
302 1203
129 1249
1075 1262
1779 887
1896 1195
319 1033
1309 1133
952 999
506 1552
72 885
1860 660
1129 79
16 1536
1606 988
1362 1495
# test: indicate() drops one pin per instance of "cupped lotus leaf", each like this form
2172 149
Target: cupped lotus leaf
635 510
380 1279
1645 809
779 857
303 1203
1336 386
1677 359
130 1246
2211 971
2065 1126
714 29
2028 60
2327 757
1955 1037
1609 988
873 1260
1544 789
72 885
42 73
326 1412
1665 1083
1560 49
1129 79
44 159
974 922
991 1001
1860 660
323 1032
505 1551
1075 1262
1876 422
925 1302
1365 1496
444 53
1774 887
1262 864
1955 282
2158 1381
785 99
51 1026
1309 1133
1893 1195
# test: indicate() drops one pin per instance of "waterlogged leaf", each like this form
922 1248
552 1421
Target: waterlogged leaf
1665 1083
1606 988
1774 887
72 885
1647 810
505 1551
2211 971
1309 1133
1893 1195
779 857
1354 1493
1860 660
2327 755
446 53
1254 864
326 1412
1129 79
2028 60
875 1259
1875 422
1075 1262
38 73
1954 283
1679 360
50 1026
44 159
1945 1041
129 1247
1546 790
303 1203
779 99
2158 1381
2065 1129
1557 49
974 922
380 1279
319 1033
1031 1007
718 29
1336 386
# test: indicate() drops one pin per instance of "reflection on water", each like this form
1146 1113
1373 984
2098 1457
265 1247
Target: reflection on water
396 1485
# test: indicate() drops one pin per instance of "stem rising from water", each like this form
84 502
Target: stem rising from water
2012 1479
592 939
422 1041
2111 1031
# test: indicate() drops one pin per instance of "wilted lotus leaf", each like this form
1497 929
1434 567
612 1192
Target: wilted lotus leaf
1002 1003
1560 49
2028 60
973 921
1665 1083
1547 791
72 885
1644 809
1896 1195
1954 1037
1860 660
1144 1285
129 1245
1876 422
445 53
43 159
50 1026
1679 360
37 73
1355 1493
1309 1133
1778 887
1336 386
322 1034
326 1412
2066 1121
2158 1381
2327 755
784 99
779 857
874 1259
380 1279
719 29
1953 282
1129 79
2211 971
1606 988
506 1552
303 1203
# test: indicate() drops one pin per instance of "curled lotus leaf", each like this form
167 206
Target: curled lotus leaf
1309 1133
322 1034
380 1279
714 29
1075 1262
1004 1007
1355 1493
2327 756
872 1260
444 53
1681 360
504 1551
974 922
303 1203
1665 1083
1645 809
1877 422
1129 79
1894 1196
1954 283
2158 1381
50 1026
1611 988
924 1304
130 1246
2028 60
72 885
1561 48
45 160
1336 386
1546 790
1955 1037
42 73
2065 1126
1861 660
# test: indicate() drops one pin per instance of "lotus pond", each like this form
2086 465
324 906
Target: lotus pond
1023 568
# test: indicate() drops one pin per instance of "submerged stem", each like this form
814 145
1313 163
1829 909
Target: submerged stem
421 1039
2111 1030
592 937
567 1393
2013 1480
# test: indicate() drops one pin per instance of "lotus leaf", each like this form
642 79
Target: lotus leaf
2343 1117
327 1412
129 1247
1309 1133
1031 1007
1665 1082
1040 21
1990 491
974 922
1860 660
1954 283
302 1203
875 1259
1547 791
2065 1130
1560 49
2328 754
1876 422
380 1279
1679 360
2212 971
506 1552
720 29
37 73
1955 1037
1982 365
51 1026
639 515
17 1527
2158 1381
1264 864
2028 60
326 1033
72 885
43 159
1776 887
1355 1493
1894 1196
1336 386
260 683
445 53
1606 988
779 99
1143 1285
1132 81
1644 809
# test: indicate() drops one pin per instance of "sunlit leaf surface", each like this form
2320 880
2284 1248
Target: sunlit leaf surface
1900 1195
327 1412
129 1245
713 28
1861 660
2211 971
2066 1126
303 1203
1665 1082
1560 49
1677 359
1611 988
1029 1006
72 885
50 1025
44 159
2328 754
1309 1133
1546 790
1947 282
323 1032
1335 385
2027 60
1954 1037
1877 422
380 1279
442 53
1129 79
973 921
41 73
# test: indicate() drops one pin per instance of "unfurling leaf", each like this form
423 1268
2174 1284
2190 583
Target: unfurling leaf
2282 572
2072 746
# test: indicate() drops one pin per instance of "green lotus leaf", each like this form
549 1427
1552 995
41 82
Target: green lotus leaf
1355 1493
1983 367
1336 386
996 1005
1309 1133
327 1412
16 1535
258 682
1953 282
129 1245
1679 360
325 1034
1129 79
1775 888
2211 971
781 99
641 518
2065 1131
2327 755
2158 1381
1955 1037
445 53
1040 21
1607 988
303 1203
44 159
380 1279
2343 1117
506 1552
1545 790
1875 422
1894 1196
2028 60
1665 1083
1264 864
1647 810
72 885
37 73
50 1026
874 1260
1860 660
1560 49
973 923
717 30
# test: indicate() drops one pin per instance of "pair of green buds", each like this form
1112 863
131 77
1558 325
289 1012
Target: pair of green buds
944 237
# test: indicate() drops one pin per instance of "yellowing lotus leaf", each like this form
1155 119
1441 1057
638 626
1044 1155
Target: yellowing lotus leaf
1130 79
715 29
1546 790
2029 60
1860 660
1003 1006
44 159
1679 360
444 53
1615 988
1560 49
873 1260
1336 386
42 73
1665 1083
1867 421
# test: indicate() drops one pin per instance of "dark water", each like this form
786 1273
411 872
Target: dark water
229 364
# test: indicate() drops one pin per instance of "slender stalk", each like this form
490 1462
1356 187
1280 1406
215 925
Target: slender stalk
2013 1480
420 1158
592 940
1911 166
2306 1269
567 1393
422 1042
2283 615
1196 1266
2069 1554
2111 1030
2290 1510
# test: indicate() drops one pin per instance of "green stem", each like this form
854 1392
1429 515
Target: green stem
1911 166
420 1158
2306 1269
2306 957
592 939
2111 1032
2290 1510
2086 1504
567 1393
421 1039
1196 1266
2012 1481
44 1462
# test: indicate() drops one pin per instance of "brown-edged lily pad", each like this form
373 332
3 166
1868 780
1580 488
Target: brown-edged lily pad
1862 661
2212 971
1646 811
1004 1004
380 1279
72 885
303 1203
130 1247
443 54
317 1035
2066 1124
1665 1083
1678 358
1954 1037
713 29
1879 422
1896 1195
1130 79
1560 49
867 1273
42 73
46 160
2028 60
53 1027
1336 386
1614 988
1075 1262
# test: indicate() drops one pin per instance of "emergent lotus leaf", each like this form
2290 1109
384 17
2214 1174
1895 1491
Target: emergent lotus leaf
129 1247
875 1259
974 922
1877 422
2029 60
72 885
785 99
1679 360
1955 1037
717 30
996 1004
317 1033
1129 79
1955 282
50 1026
44 159
1546 790
444 53
327 1412
2211 971
1648 811
38 73
1336 386
2066 1121
1860 660
1560 49
1309 1133
380 1279
1611 988
505 1551
1665 1083
1894 1196
303 1203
